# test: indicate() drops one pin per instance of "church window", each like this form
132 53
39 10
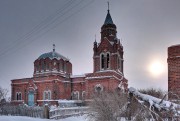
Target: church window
98 88
37 67
119 62
18 96
47 95
83 95
61 66
108 60
75 95
102 61
47 66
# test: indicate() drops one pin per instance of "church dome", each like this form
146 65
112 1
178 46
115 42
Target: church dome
52 55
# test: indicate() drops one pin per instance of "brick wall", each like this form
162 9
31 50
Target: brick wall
174 69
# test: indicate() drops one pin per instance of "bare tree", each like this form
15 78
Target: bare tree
3 95
108 106
138 106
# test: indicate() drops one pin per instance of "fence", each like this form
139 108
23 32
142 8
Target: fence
22 110
66 112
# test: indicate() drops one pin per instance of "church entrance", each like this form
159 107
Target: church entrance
31 98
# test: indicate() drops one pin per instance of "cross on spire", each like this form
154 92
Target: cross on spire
108 19
108 6
54 47
95 37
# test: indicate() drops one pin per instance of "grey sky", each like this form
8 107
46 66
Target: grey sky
28 28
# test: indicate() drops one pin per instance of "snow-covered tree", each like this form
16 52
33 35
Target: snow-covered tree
137 106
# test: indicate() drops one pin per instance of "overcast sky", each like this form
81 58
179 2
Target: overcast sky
28 28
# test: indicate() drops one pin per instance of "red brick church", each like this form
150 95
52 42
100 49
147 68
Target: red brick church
53 79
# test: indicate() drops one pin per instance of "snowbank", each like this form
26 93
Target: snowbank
23 118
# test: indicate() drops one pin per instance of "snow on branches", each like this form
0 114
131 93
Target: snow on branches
160 105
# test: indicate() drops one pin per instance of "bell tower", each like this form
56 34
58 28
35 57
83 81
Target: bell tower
108 54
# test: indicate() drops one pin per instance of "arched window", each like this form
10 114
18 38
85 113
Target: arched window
108 61
47 66
47 95
75 95
61 66
38 68
83 95
119 62
102 61
18 96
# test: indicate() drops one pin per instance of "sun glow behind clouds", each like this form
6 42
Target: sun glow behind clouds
156 68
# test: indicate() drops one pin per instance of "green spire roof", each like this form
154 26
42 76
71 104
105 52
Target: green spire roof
108 19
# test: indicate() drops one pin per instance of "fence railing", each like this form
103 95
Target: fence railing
66 112
22 110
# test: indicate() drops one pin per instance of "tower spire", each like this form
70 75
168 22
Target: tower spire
108 19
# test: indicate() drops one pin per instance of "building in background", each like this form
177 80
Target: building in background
53 80
174 71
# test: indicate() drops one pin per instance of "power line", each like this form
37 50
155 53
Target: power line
26 43
37 27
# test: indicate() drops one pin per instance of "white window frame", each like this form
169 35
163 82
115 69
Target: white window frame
18 94
48 92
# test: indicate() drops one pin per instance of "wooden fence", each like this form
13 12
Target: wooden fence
22 110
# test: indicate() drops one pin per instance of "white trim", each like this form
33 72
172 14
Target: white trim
119 73
98 77
118 78
75 76
46 100
102 77
50 71
20 83
48 94
51 81
78 82
18 94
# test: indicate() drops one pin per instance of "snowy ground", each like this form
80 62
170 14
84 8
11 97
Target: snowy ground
23 118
